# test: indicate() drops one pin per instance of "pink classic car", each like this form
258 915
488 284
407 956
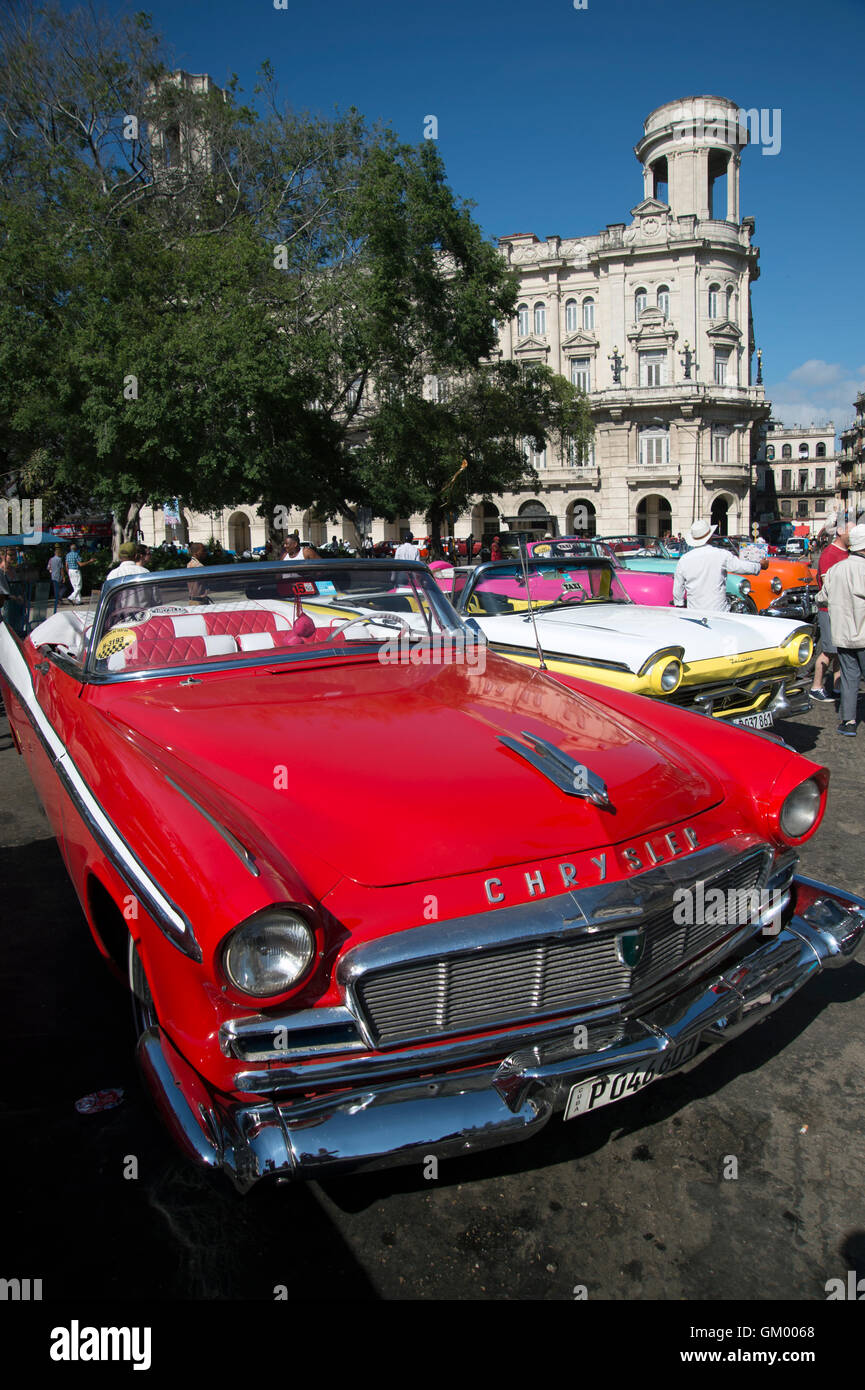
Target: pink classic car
656 589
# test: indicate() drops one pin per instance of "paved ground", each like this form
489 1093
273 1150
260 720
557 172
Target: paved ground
631 1203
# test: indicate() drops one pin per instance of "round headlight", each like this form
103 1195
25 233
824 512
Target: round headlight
269 954
777 586
671 675
801 651
745 588
800 809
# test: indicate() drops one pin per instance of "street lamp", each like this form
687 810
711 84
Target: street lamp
687 360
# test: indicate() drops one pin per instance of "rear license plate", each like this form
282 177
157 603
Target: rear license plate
604 1090
764 720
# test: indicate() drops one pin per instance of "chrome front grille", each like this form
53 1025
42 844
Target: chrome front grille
456 990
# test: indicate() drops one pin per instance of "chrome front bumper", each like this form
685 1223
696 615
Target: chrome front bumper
399 1120
789 697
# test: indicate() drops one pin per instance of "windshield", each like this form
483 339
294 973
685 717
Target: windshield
266 612
643 547
502 589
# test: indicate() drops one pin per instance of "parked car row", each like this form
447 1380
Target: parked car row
326 983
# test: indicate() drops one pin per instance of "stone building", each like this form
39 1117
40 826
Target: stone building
795 476
851 465
652 318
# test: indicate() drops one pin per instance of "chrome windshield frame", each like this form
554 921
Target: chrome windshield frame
448 618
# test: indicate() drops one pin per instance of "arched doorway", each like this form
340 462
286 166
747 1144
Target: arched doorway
654 515
720 515
581 518
532 516
485 519
239 533
313 528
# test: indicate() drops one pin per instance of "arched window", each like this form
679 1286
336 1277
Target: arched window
804 451
786 452
540 320
664 300
640 301
522 321
588 313
770 452
714 292
571 317
821 451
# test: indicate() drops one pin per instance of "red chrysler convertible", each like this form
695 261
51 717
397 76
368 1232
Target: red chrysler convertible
254 776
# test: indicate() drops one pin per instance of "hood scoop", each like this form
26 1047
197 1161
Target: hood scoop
570 776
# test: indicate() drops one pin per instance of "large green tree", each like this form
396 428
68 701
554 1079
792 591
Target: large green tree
221 302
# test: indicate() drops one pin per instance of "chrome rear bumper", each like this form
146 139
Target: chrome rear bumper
406 1120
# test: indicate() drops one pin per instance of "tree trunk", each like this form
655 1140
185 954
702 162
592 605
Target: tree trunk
127 529
349 514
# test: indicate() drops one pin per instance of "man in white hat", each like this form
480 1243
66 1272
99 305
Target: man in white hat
701 574
844 591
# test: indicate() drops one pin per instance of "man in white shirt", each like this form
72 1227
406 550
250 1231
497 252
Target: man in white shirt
131 555
407 550
701 574
131 562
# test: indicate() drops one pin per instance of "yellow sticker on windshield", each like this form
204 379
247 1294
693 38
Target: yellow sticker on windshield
115 641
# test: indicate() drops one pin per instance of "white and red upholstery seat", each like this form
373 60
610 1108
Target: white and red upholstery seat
184 638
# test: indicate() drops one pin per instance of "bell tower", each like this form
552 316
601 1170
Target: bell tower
690 153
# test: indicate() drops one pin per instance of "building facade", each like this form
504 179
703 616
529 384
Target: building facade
851 466
795 476
652 319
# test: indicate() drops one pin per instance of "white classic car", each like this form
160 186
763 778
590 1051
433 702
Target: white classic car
729 665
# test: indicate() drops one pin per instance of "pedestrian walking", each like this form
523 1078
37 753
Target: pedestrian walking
844 591
823 688
74 563
701 573
55 571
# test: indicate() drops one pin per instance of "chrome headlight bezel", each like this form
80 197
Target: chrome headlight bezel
776 585
671 676
275 931
745 587
800 810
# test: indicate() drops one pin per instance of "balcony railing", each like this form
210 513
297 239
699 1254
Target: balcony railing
654 473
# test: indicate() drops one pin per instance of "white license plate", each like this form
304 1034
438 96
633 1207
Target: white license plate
764 720
604 1090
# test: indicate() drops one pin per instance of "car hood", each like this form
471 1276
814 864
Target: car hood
631 632
398 774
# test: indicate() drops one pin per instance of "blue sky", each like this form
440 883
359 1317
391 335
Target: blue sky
539 106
